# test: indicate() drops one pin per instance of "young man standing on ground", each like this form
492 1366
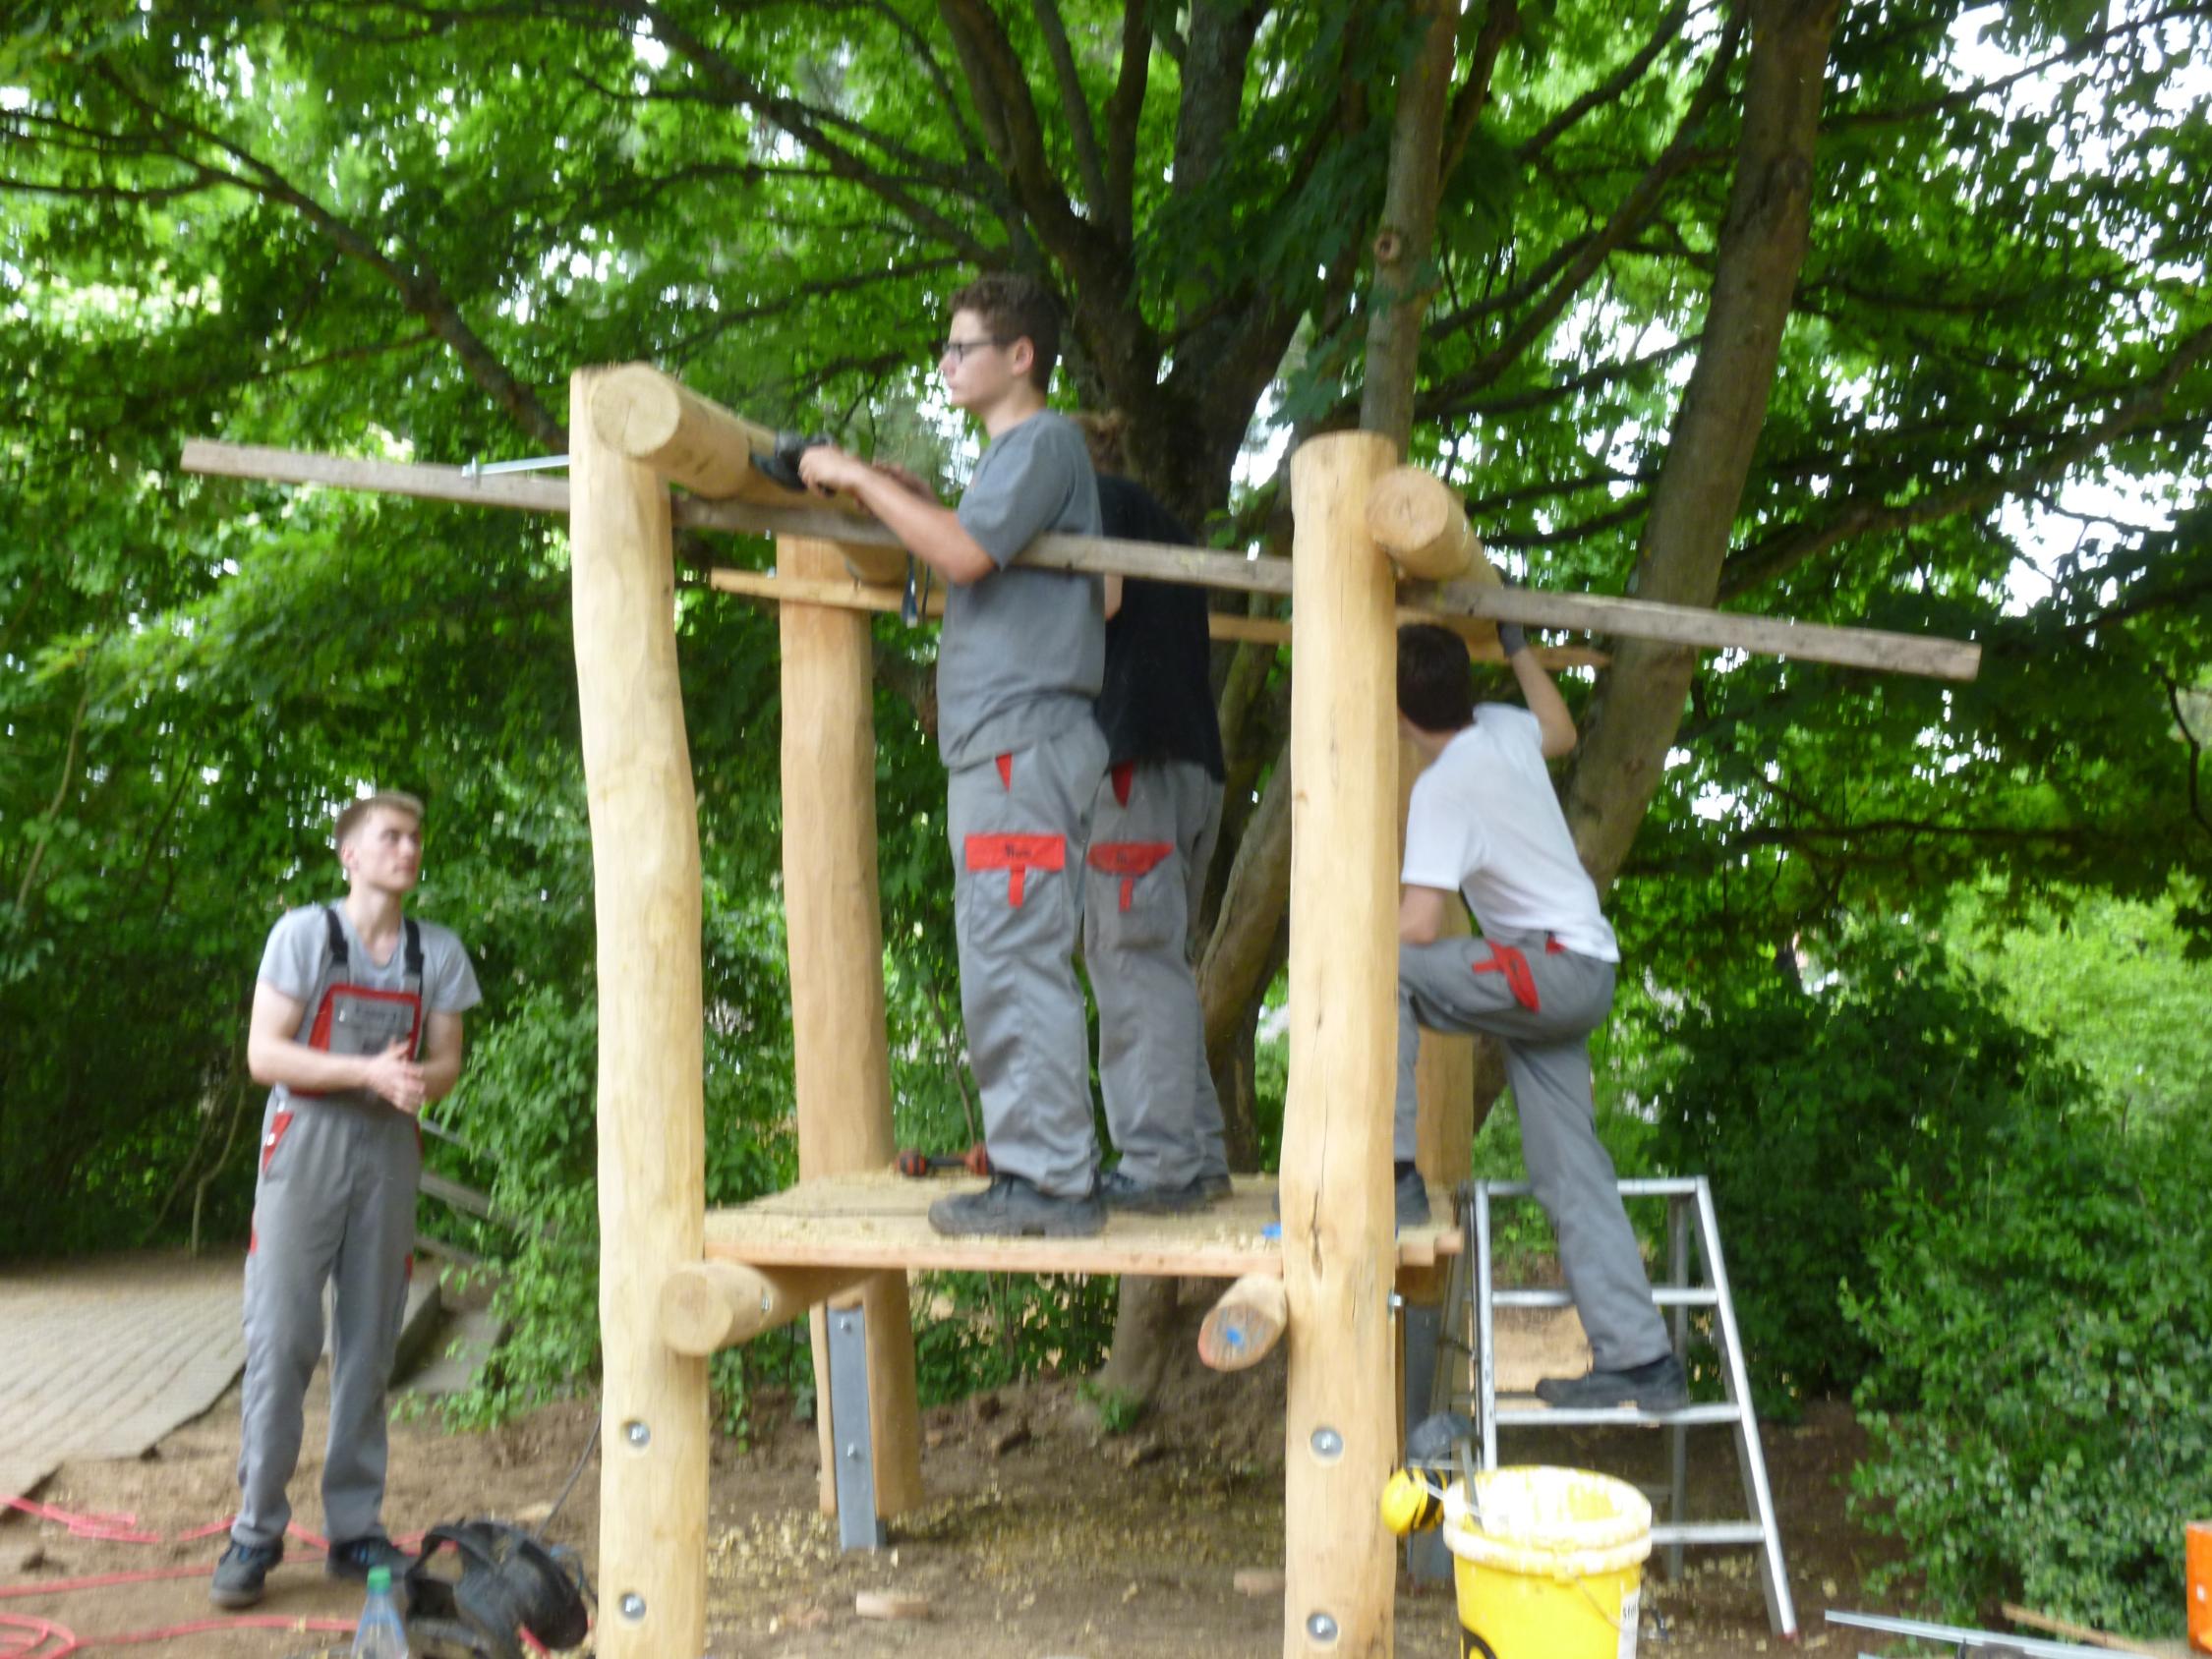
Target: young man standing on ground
1019 663
1485 824
356 1025
1152 833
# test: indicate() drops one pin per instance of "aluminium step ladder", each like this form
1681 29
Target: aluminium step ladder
1470 1311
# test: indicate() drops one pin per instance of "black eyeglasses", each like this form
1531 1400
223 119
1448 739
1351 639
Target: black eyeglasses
958 350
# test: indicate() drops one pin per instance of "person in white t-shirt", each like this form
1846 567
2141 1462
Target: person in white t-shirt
1484 825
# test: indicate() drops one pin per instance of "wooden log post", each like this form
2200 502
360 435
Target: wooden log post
834 922
652 1115
1446 1130
1338 1257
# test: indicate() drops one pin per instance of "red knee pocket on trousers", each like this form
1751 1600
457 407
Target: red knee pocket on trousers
1129 860
1017 855
1511 963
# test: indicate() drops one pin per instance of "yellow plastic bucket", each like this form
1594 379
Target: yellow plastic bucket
1549 1564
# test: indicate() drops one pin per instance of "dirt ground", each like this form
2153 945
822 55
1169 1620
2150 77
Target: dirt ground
1042 1536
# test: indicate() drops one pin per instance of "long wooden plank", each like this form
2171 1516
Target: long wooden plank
1715 630
1688 625
517 491
879 1219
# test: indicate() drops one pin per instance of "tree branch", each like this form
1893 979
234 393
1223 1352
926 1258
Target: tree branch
417 286
1125 110
799 120
1502 22
1609 90
2196 750
1778 554
1075 104
1638 205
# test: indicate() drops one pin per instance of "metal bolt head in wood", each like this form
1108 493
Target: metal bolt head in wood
637 1434
633 1606
1329 1445
1321 1626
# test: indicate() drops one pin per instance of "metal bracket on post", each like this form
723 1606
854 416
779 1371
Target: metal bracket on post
860 1528
1426 1558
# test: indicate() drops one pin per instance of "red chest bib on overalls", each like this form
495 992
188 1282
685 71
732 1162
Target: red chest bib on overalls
362 1020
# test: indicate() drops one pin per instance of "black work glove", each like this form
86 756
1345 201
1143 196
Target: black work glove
781 462
1510 639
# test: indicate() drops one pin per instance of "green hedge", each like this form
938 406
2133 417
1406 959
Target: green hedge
2039 1411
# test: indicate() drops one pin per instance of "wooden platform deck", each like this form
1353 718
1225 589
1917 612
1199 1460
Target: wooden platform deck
880 1220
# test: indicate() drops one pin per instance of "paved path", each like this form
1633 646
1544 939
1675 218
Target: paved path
101 1358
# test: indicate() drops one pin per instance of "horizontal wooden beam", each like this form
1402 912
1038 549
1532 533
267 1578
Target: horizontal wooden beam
1623 619
1220 624
1714 630
707 1307
1242 1327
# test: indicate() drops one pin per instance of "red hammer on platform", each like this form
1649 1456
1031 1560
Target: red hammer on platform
976 1161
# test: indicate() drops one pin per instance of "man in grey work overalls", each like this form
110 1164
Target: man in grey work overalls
356 1024
1021 657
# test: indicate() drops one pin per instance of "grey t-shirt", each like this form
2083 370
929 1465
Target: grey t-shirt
297 961
1023 652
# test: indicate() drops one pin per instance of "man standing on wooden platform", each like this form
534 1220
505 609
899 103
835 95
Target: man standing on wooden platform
1152 833
1484 823
1021 659
357 1025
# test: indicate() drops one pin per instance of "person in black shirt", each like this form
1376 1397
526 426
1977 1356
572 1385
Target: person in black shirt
1153 828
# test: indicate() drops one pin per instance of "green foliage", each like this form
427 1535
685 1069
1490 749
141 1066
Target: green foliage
2111 984
1797 1101
981 1330
2044 1335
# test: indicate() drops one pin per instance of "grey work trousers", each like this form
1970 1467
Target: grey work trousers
335 1204
1153 833
1019 824
1541 1003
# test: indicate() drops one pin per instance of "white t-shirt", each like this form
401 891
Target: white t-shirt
1483 819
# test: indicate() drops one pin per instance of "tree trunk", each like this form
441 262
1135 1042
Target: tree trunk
1243 954
1638 704
1404 243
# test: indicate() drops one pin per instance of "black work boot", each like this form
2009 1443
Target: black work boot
1013 1208
242 1575
356 1558
1411 1194
1119 1192
1658 1385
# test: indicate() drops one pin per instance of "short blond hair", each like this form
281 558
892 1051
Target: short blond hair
354 814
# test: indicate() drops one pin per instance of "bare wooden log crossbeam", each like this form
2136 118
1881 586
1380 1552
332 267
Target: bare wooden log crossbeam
1627 618
1242 1327
706 1306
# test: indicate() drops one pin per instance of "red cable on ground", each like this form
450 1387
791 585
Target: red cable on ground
101 1528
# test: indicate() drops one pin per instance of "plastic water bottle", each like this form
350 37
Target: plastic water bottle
380 1635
